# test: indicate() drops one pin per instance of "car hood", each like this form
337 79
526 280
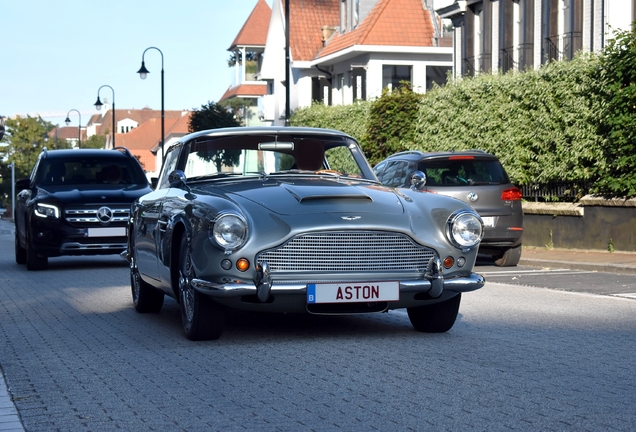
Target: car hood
88 194
317 195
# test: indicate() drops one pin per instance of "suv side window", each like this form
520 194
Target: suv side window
395 173
378 170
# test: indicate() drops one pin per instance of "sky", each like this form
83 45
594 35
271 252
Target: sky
56 55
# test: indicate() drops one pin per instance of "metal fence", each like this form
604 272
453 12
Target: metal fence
564 192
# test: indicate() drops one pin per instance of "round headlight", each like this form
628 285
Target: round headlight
229 231
465 229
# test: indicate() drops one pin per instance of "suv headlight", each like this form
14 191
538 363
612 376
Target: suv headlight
229 231
47 210
464 229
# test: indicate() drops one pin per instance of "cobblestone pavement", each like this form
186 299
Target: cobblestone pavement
76 357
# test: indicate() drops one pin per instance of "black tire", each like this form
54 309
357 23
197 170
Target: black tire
33 260
509 258
202 318
436 317
145 298
20 252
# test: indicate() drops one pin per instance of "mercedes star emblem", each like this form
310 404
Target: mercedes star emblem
104 214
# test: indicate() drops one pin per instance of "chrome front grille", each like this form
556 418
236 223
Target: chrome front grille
90 214
348 251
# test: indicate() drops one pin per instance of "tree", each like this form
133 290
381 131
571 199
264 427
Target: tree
618 128
211 116
238 106
95 141
25 138
391 122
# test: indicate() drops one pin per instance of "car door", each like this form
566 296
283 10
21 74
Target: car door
151 222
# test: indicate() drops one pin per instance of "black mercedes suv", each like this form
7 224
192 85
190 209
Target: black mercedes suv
76 202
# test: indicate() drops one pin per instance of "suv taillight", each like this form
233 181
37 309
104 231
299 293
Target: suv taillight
512 194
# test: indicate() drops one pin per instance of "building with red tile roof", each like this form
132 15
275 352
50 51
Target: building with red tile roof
139 130
346 50
247 49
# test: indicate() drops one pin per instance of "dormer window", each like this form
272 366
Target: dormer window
349 15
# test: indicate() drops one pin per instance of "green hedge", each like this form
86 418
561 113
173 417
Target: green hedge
570 121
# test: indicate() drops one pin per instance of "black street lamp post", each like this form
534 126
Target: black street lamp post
79 126
99 104
143 73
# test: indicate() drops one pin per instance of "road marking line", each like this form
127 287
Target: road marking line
626 295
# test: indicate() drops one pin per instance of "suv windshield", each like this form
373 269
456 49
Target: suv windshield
459 172
90 170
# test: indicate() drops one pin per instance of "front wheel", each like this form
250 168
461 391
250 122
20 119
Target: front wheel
509 258
20 252
436 317
145 298
33 260
202 318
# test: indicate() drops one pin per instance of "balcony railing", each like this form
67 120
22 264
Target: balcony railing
507 59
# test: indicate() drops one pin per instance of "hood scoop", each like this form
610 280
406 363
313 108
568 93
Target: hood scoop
305 194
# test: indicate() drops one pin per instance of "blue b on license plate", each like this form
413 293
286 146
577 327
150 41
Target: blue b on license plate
353 292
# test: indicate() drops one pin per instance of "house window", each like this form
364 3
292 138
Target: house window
572 37
356 14
358 84
343 16
526 36
437 75
392 75
341 84
320 91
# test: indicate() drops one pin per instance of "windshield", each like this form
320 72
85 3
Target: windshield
244 156
91 170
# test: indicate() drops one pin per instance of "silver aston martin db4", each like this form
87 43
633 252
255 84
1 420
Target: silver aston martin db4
293 220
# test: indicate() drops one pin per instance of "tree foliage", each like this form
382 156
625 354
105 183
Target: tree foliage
25 138
211 116
95 141
391 122
617 177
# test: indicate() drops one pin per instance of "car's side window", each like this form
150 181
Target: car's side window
395 173
340 159
170 164
378 170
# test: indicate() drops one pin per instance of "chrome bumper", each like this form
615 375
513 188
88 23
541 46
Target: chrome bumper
263 289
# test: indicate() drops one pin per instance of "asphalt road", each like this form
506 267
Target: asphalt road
76 356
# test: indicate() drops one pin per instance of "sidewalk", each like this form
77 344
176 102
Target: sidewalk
602 261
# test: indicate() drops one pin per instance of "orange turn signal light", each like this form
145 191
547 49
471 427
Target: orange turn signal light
242 264
448 262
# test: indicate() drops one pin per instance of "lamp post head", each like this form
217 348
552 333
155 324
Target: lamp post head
143 72
67 121
98 104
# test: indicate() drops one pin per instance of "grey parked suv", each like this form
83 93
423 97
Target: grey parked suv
475 177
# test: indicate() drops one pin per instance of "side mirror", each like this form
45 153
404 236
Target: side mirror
22 184
418 180
177 179
153 182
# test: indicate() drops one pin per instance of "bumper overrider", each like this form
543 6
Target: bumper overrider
433 285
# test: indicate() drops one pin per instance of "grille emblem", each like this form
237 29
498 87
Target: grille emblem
472 196
104 214
350 218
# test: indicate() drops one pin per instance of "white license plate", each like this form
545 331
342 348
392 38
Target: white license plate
105 232
353 292
489 221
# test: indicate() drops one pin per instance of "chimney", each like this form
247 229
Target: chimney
327 32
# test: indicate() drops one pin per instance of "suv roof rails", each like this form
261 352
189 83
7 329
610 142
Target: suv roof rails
417 152
123 150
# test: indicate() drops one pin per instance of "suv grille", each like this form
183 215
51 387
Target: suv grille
97 215
348 251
